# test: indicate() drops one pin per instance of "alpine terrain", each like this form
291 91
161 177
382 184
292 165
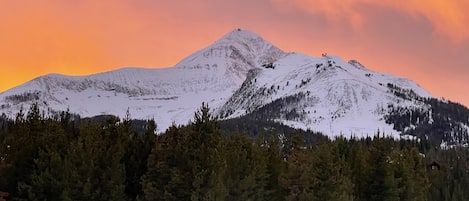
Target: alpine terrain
244 76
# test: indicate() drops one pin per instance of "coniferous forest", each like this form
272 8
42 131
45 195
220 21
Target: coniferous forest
65 158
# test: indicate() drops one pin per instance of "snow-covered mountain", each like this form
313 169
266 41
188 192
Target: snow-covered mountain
240 74
168 95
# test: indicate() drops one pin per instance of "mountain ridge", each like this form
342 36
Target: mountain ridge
239 74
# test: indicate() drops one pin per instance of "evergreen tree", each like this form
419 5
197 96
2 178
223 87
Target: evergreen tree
20 148
410 175
330 174
246 169
97 171
135 159
204 143
276 166
360 168
298 178
168 176
382 185
49 175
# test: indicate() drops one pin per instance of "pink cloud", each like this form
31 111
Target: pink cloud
449 17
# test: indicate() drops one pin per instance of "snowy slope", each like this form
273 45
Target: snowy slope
239 74
324 94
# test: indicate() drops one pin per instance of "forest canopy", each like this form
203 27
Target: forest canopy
65 158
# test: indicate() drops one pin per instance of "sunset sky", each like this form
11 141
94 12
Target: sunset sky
424 40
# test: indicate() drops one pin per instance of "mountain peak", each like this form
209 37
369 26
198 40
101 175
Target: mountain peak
239 49
240 35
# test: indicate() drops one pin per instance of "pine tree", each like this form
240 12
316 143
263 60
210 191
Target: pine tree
298 178
246 169
20 147
382 185
330 174
360 169
168 176
411 176
48 180
276 167
136 160
205 145
95 158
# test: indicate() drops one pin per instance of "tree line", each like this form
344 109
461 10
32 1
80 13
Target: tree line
62 158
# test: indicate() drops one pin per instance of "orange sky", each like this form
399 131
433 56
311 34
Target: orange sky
423 40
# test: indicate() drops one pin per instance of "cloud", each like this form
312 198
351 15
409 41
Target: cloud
449 18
